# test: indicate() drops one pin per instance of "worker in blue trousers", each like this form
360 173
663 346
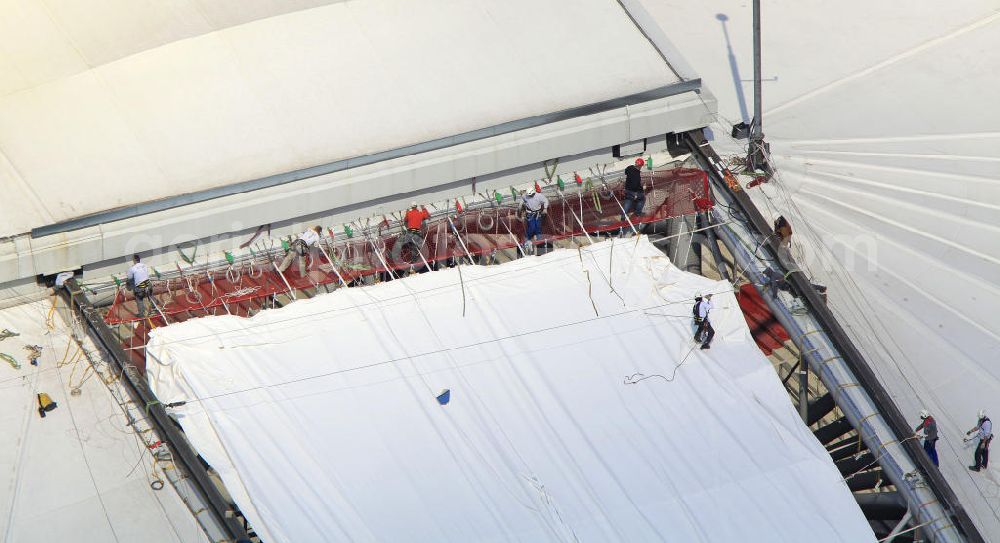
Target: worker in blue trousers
929 427
534 206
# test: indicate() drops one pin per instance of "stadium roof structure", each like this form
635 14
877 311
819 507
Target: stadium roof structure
887 154
139 126
195 117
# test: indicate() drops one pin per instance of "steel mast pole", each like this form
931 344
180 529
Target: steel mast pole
757 159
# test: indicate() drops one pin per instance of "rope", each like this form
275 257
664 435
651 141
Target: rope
881 455
462 281
636 378
10 360
432 352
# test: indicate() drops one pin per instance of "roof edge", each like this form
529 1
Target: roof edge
354 162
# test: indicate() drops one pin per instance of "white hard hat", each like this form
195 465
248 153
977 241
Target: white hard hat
982 413
924 414
413 204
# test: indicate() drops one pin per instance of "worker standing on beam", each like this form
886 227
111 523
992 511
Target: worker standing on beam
929 427
534 205
705 331
307 242
983 431
137 280
635 192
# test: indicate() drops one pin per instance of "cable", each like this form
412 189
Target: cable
309 316
874 330
432 352
636 378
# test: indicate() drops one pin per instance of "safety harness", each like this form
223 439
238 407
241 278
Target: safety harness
986 439
532 213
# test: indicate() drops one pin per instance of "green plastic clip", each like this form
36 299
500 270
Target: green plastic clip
229 257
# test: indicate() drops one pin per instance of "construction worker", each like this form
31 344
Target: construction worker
929 427
705 332
635 193
413 231
983 431
137 280
307 242
783 231
695 318
534 205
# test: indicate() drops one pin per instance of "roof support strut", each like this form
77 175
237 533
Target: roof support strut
223 511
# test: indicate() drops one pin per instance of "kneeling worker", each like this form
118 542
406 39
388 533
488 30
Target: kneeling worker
306 242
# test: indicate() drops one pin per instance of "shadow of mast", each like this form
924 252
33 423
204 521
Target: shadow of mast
734 69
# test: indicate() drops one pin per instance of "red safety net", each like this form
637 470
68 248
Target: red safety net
477 231
767 332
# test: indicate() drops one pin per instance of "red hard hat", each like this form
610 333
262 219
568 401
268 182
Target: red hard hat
639 162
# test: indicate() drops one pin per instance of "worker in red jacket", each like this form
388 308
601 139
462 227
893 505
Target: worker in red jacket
413 232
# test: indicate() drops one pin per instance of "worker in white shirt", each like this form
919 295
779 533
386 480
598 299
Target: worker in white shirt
534 205
705 331
307 242
983 431
137 280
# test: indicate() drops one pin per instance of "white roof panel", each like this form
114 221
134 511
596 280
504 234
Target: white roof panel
196 105
80 473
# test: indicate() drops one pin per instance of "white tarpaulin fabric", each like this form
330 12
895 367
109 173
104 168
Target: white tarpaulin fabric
322 418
